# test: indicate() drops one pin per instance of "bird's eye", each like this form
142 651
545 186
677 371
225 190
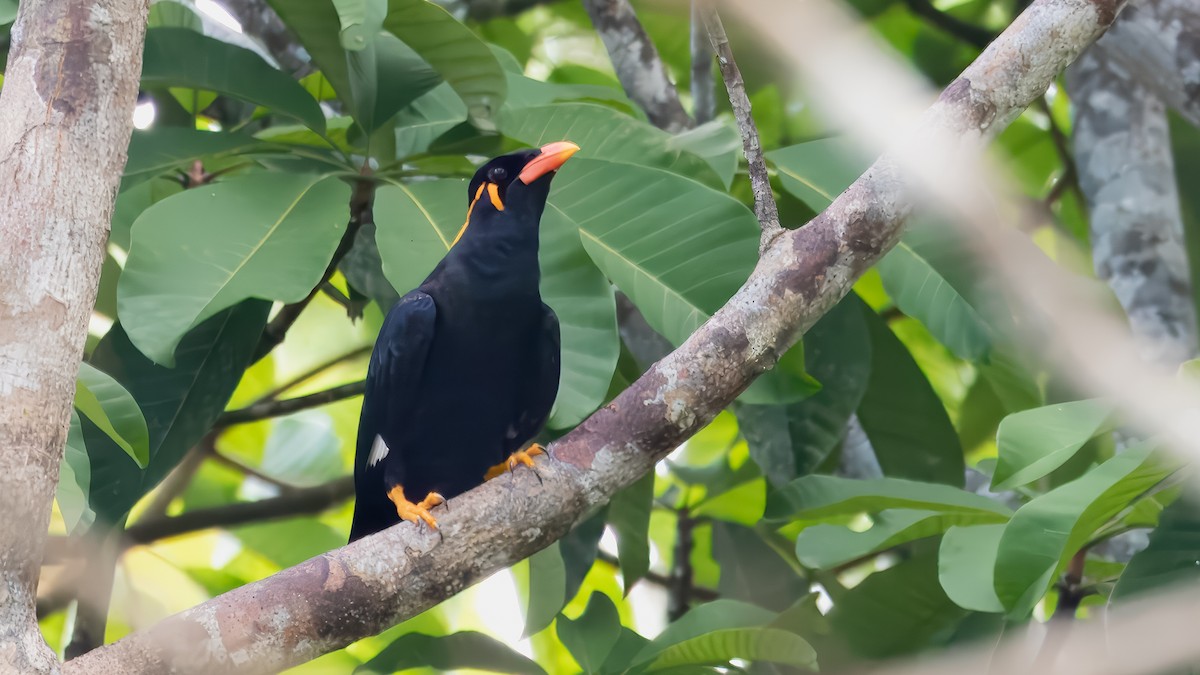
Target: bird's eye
497 174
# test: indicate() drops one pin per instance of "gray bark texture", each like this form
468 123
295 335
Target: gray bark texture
1123 155
355 591
637 63
66 113
1158 43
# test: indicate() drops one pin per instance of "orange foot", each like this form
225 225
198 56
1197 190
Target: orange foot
415 512
516 459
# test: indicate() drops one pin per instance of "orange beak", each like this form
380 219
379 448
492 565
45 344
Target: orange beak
553 156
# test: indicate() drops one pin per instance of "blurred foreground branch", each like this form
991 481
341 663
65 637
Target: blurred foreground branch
358 590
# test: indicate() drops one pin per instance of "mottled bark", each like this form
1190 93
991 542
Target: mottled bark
704 96
765 209
637 63
1123 155
331 600
1158 42
66 113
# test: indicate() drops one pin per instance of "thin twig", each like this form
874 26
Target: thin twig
967 32
247 470
701 593
681 587
760 181
277 408
313 372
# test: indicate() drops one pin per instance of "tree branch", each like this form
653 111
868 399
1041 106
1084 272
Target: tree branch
66 113
704 97
1154 40
277 408
765 208
637 63
336 598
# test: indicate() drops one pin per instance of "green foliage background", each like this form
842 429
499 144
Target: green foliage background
794 556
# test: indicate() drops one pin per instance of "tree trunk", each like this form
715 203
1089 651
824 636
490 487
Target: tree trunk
66 112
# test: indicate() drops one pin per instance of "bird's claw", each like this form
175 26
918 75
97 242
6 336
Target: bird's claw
519 458
416 513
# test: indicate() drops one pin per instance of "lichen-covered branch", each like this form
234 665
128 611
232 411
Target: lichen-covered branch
765 209
355 591
637 63
1123 154
1157 42
66 113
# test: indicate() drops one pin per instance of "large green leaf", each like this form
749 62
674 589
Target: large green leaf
793 440
385 76
317 25
360 20
678 249
967 566
592 636
909 428
158 150
817 496
457 651
547 589
180 404
629 515
604 133
178 57
817 171
106 404
455 52
826 546
1170 559
752 571
579 549
897 611
420 123
702 620
416 224
1044 533
919 274
1032 443
767 645
267 235
717 143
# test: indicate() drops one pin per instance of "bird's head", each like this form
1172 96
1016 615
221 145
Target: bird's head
516 184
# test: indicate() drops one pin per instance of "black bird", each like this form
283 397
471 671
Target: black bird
466 367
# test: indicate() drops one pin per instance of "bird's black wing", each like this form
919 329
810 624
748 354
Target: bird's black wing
541 387
393 375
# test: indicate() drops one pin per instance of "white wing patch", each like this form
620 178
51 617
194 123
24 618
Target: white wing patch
379 450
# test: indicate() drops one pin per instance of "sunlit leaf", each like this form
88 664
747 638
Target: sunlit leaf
817 496
827 546
592 636
769 645
213 246
818 171
1032 443
465 650
106 404
967 565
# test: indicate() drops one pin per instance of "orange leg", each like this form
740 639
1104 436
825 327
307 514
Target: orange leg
520 457
415 512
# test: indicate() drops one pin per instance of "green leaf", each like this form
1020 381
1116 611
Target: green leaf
606 134
455 52
463 650
171 14
303 449
679 259
105 402
793 440
967 566
702 620
827 546
317 25
579 549
8 12
629 515
1173 556
715 142
897 611
211 247
75 481
817 496
360 20
547 586
621 656
1044 533
902 415
420 123
417 223
769 645
158 150
1032 443
816 172
592 636
914 275
752 571
180 404
178 57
